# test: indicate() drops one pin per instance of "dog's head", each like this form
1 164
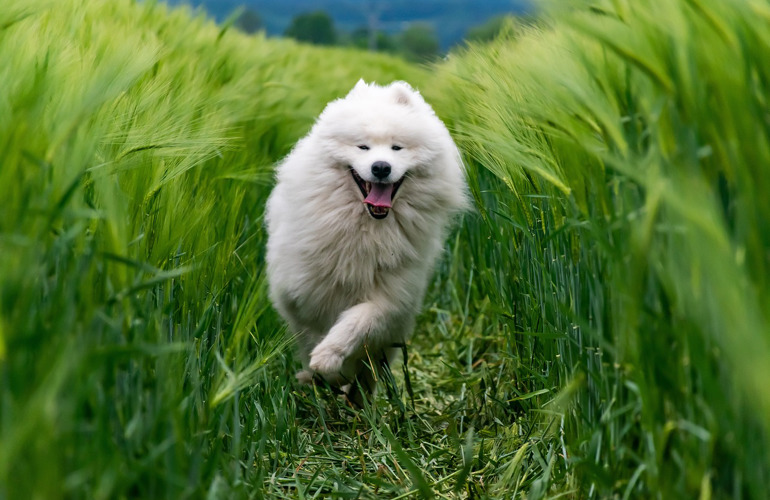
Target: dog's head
389 144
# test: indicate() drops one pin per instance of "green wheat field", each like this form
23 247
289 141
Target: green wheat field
598 327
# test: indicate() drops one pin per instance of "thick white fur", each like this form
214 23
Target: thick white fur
350 285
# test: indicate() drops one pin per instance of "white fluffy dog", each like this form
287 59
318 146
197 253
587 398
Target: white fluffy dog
355 222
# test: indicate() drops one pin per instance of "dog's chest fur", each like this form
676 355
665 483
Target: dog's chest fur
343 264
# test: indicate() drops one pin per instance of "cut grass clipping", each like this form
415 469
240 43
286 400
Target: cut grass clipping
597 328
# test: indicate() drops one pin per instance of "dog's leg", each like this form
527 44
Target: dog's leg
369 372
304 377
306 340
366 380
361 324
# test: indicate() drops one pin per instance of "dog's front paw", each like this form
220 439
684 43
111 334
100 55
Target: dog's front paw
326 359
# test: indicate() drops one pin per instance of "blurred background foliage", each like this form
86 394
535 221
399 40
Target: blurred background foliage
419 31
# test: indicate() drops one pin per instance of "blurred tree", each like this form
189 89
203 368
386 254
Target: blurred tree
487 31
420 43
511 25
248 21
314 27
361 39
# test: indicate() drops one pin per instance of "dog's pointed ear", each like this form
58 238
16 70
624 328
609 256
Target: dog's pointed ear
360 85
403 93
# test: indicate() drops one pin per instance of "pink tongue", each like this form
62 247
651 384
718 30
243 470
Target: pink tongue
380 195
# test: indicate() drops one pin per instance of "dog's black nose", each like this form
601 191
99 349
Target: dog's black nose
381 169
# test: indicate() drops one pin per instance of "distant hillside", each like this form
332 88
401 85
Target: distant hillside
450 18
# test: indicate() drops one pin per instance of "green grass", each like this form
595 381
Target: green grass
597 328
629 220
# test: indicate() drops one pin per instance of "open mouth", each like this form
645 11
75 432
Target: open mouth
378 196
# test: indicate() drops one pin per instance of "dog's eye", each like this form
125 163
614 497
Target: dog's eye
396 148
363 146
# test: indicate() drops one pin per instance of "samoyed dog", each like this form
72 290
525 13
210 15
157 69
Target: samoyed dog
355 222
